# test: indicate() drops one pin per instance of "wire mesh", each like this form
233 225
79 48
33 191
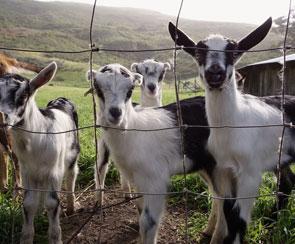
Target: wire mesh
98 207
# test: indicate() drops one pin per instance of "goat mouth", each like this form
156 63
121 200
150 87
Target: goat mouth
215 85
151 93
114 121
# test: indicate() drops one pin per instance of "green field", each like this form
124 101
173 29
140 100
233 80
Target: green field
263 228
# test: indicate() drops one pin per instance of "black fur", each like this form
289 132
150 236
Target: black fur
181 39
105 157
69 108
161 76
195 139
287 179
26 192
47 113
98 91
230 56
235 224
201 52
9 76
150 220
54 196
26 214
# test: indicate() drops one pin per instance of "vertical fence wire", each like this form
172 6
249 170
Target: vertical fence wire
283 87
180 124
96 205
92 45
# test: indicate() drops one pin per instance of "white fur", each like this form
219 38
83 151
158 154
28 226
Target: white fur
147 159
148 99
245 152
153 73
43 159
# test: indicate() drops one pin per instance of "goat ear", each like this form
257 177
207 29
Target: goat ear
44 76
167 66
134 67
89 91
182 39
89 73
138 78
254 37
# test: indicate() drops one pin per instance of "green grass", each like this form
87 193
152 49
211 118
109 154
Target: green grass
263 229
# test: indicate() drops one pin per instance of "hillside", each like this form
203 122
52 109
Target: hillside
65 26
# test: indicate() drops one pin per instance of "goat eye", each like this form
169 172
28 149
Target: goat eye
161 76
106 69
124 73
99 93
201 52
129 93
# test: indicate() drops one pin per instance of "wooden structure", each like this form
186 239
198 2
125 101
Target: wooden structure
262 78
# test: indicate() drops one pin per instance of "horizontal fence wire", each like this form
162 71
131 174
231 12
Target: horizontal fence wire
97 49
168 193
184 126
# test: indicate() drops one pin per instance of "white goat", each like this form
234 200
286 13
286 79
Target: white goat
153 73
43 158
148 159
242 154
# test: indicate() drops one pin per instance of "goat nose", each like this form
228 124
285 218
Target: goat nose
115 112
215 69
151 87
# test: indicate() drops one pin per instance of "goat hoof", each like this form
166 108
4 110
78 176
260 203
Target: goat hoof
26 239
70 211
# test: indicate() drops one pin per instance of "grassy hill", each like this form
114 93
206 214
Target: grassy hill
65 26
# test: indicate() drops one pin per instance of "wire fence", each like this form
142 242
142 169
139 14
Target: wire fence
98 208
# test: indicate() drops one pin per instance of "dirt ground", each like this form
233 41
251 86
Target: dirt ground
120 223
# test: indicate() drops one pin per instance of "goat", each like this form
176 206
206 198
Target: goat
148 159
9 65
43 158
153 73
243 154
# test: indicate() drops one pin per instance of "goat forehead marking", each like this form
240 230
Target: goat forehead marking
113 82
150 67
216 42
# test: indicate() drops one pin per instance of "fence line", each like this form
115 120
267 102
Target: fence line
161 194
97 49
98 208
184 126
283 86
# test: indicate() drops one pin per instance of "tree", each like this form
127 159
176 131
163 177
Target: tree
281 24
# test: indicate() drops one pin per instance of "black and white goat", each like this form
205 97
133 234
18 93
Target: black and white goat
148 159
43 158
153 73
243 154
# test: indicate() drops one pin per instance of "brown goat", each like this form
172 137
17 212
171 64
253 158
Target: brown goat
9 65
